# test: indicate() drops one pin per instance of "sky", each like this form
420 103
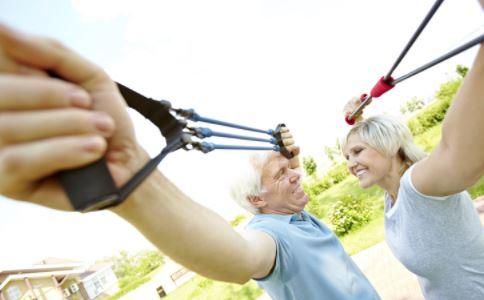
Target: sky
253 62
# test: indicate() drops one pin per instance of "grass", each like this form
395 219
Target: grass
201 288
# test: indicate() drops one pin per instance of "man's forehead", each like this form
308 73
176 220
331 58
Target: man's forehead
275 159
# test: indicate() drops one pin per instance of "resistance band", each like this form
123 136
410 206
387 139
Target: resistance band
92 187
387 82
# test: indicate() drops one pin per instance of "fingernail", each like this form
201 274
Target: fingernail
79 98
103 122
94 144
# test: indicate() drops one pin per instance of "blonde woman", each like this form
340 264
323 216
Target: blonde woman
431 224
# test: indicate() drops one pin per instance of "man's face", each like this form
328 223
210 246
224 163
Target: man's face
282 190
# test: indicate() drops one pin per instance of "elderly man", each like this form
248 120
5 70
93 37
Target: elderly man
49 125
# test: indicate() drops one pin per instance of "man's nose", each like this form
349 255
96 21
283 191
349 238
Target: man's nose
295 177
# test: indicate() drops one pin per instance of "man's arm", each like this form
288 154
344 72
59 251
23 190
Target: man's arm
458 160
195 236
50 125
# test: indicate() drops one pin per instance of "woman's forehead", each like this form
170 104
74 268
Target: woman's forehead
352 141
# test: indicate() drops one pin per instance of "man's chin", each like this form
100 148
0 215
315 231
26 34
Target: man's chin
305 201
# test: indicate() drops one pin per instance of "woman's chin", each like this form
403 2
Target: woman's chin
365 185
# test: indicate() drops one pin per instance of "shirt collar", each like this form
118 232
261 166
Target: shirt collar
303 216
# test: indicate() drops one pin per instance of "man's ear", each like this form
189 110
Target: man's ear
256 201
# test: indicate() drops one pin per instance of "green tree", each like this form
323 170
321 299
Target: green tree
333 153
411 106
130 267
309 165
462 70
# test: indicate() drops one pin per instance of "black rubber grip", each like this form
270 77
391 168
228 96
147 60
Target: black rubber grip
91 187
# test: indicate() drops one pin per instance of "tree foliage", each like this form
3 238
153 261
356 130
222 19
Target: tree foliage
309 165
130 267
333 153
412 106
462 70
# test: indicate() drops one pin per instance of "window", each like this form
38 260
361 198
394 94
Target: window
175 276
103 279
14 293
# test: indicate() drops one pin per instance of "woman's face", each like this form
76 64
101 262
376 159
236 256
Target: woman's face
366 163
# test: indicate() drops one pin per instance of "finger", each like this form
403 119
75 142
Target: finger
36 160
9 65
284 129
21 93
286 135
288 142
294 149
33 125
48 54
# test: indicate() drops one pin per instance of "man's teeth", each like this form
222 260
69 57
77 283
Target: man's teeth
360 172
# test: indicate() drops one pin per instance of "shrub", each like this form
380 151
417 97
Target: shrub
337 173
309 165
434 113
347 214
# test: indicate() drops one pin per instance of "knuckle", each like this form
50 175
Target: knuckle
54 43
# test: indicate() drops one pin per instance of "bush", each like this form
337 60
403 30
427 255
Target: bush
334 175
434 113
347 214
309 165
337 173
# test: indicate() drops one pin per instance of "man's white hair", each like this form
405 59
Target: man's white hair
388 136
249 183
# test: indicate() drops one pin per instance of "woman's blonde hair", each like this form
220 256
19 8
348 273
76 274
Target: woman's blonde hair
388 136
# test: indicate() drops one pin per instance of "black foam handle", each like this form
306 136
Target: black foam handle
90 187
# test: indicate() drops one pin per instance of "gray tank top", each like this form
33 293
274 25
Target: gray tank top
440 239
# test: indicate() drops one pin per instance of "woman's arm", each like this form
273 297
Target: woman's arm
458 160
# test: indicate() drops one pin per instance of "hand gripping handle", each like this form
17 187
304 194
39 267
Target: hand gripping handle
282 148
90 187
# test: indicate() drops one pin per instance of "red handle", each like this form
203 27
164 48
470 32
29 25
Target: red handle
381 87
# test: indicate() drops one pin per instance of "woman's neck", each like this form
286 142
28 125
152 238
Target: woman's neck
391 182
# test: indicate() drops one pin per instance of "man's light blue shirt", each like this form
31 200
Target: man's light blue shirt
310 261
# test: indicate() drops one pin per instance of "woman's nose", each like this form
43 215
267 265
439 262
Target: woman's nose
351 163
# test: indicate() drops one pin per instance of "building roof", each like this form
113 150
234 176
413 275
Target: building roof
46 268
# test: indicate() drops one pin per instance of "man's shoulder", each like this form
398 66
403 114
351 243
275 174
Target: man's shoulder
274 224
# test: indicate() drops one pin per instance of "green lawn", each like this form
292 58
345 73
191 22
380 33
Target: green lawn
201 288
